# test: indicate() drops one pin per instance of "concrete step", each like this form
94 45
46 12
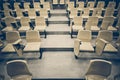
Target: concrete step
56 29
58 12
57 43
58 20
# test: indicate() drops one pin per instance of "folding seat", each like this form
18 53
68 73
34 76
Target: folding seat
73 13
40 25
109 12
12 39
33 41
83 42
80 5
46 5
37 6
111 4
18 70
103 42
98 69
31 13
92 24
44 13
77 25
25 24
8 22
91 5
19 14
101 4
85 13
97 12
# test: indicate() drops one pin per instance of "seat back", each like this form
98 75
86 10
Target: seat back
74 12
17 68
46 5
99 67
111 4
109 12
100 4
55 2
40 21
9 20
33 36
7 13
62 1
88 25
93 20
6 6
25 21
19 13
15 36
81 5
26 5
31 12
78 20
36 5
84 35
106 35
85 12
91 4
97 12
16 6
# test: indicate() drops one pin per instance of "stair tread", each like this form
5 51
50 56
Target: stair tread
58 11
58 18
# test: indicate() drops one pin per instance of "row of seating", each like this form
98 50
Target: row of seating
97 70
15 44
94 24
103 43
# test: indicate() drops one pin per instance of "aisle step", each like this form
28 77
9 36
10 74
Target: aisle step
56 29
58 12
58 20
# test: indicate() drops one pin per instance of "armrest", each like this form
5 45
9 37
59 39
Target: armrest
17 42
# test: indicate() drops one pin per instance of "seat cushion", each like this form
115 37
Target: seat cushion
8 48
86 46
22 77
32 46
76 28
95 77
110 48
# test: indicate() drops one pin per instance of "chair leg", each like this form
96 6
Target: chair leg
71 33
41 50
45 33
76 57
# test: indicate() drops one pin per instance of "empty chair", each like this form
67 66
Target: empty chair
98 70
80 5
73 13
6 6
101 4
32 13
33 41
92 24
109 12
111 4
97 12
18 70
83 42
85 13
12 38
91 5
9 26
25 24
36 6
76 25
40 25
103 42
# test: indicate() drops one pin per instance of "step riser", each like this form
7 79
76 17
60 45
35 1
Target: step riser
57 49
58 33
58 15
58 22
